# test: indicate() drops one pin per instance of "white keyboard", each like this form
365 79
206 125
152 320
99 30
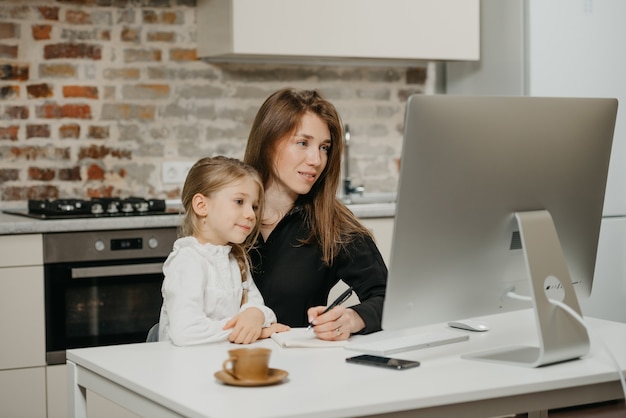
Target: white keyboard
389 342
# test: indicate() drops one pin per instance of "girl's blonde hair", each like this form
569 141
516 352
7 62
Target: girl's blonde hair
209 175
332 225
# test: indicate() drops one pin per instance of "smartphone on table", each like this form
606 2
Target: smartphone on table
380 361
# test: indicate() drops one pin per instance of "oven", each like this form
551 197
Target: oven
102 287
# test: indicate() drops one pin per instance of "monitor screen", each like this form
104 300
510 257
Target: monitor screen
469 164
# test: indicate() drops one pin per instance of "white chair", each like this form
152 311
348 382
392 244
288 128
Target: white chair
153 334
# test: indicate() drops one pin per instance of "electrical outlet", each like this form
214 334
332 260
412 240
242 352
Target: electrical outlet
175 172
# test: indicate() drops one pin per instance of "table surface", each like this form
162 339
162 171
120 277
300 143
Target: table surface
321 383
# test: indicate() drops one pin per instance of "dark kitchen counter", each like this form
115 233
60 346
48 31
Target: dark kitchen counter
15 224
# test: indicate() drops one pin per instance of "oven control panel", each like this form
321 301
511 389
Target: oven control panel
108 245
119 244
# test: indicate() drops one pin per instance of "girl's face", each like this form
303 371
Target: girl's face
230 214
301 157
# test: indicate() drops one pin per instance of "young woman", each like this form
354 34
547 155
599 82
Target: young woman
208 292
309 240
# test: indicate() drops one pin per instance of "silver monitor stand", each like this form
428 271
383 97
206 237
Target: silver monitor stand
561 336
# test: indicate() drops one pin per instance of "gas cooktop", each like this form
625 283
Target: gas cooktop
94 208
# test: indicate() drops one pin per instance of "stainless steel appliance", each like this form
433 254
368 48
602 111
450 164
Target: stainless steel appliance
102 287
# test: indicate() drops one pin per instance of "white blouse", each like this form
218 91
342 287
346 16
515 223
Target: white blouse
202 291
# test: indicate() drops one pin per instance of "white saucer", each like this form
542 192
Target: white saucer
273 376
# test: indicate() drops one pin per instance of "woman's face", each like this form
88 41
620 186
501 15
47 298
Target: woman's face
301 157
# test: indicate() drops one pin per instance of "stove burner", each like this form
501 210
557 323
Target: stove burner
76 208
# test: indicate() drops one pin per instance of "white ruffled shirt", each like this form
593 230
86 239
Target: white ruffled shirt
202 291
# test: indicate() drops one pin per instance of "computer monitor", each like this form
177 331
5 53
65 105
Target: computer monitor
472 169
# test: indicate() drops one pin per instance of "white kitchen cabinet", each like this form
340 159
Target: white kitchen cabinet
23 392
563 48
22 351
338 30
382 228
22 317
21 250
21 302
56 389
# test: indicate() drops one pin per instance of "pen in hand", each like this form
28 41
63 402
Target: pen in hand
341 299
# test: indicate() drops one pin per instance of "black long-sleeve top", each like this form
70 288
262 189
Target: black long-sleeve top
292 276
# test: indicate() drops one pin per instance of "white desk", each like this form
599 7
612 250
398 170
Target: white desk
159 379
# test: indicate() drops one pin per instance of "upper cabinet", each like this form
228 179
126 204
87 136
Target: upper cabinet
400 31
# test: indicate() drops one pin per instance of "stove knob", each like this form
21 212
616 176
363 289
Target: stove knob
153 243
97 208
113 207
99 245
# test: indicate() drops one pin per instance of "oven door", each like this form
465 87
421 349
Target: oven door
94 303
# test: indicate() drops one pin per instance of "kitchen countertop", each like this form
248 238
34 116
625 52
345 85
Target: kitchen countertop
15 224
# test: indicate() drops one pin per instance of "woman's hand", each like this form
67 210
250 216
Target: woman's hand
275 327
246 326
335 325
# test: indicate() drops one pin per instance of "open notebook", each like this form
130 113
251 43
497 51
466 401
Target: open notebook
300 337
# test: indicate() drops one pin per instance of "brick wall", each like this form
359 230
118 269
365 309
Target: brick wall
96 94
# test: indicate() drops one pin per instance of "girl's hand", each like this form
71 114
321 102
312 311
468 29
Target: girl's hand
335 325
246 326
275 327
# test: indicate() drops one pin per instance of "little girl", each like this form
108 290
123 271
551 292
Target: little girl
208 291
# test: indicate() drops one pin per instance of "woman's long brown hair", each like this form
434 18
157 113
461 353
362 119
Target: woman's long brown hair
332 225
